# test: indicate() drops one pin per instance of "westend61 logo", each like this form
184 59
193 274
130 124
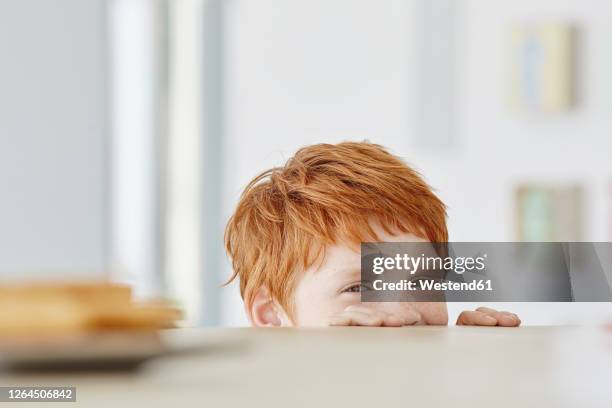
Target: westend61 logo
413 264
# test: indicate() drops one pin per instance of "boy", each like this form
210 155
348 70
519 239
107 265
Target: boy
294 239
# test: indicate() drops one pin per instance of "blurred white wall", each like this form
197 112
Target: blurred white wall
302 72
53 174
497 147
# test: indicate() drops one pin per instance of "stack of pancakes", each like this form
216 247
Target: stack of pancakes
32 309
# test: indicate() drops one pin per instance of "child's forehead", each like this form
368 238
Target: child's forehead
344 255
337 260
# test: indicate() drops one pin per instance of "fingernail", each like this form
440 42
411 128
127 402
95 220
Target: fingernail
489 320
413 318
394 320
512 316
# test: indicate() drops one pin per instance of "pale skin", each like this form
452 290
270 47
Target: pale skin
327 294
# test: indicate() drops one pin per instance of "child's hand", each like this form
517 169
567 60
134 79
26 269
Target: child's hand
483 316
358 315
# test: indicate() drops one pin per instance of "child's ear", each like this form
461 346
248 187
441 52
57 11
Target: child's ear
263 311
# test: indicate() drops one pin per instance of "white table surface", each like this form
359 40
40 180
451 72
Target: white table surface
373 367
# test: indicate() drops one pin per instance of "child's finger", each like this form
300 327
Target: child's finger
476 318
356 318
389 319
412 317
505 319
510 319
362 316
392 321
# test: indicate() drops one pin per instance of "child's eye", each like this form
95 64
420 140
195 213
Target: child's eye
356 288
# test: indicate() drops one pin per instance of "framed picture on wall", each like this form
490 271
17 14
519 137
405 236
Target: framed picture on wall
542 67
548 213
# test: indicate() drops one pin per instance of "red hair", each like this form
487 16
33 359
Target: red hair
324 194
